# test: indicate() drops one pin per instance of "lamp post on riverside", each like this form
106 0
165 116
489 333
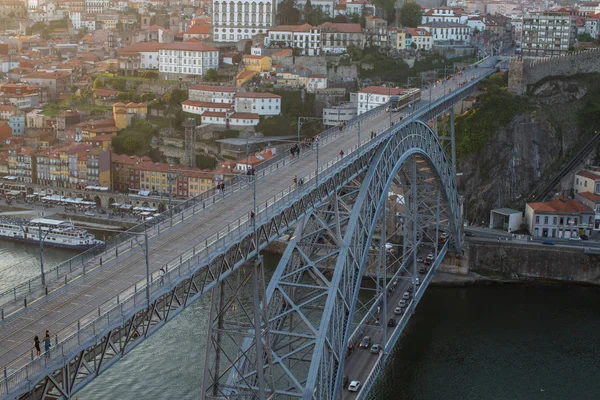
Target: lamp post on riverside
42 238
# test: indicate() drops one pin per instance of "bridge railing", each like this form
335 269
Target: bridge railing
91 258
91 327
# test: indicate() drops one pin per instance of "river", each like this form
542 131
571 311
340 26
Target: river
476 342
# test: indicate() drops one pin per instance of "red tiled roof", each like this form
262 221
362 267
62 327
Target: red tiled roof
341 27
588 174
141 47
283 53
244 116
560 205
214 114
590 196
292 28
198 30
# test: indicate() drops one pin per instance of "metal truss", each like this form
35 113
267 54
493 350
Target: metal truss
305 320
313 294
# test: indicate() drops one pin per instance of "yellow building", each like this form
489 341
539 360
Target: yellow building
123 113
244 77
397 38
257 63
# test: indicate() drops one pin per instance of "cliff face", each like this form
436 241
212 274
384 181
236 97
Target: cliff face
531 147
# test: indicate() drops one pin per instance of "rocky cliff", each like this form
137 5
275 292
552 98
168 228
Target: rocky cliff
523 141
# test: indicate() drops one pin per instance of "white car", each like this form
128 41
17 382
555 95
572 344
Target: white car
406 296
354 385
575 238
430 256
398 311
402 303
89 214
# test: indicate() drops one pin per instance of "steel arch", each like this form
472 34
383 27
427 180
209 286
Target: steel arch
329 343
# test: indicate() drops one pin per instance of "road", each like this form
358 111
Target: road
361 361
486 234
60 311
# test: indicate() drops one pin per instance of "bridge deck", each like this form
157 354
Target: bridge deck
60 311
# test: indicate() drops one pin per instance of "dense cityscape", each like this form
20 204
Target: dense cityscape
310 171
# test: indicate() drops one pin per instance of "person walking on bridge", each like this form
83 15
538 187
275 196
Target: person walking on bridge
341 154
47 343
36 344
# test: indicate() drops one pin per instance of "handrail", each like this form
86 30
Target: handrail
97 323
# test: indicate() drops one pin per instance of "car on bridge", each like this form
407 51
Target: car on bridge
402 303
365 342
406 296
376 349
398 311
422 270
354 386
575 238
419 259
392 322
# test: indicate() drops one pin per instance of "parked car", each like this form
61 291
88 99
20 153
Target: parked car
392 323
422 270
419 259
354 385
398 311
365 342
575 238
548 243
402 303
406 296
409 289
89 214
430 256
584 237
375 349
469 234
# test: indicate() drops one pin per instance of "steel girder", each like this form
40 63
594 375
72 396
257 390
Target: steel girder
310 308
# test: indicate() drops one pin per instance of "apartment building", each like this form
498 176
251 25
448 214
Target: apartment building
212 94
257 63
57 82
236 20
21 163
547 34
138 56
421 37
187 58
447 31
124 113
261 103
587 181
306 38
336 37
374 96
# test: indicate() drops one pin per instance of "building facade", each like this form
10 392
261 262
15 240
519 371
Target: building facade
236 20
560 218
187 58
547 34
306 39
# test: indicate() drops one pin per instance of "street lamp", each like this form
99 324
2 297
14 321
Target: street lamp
302 120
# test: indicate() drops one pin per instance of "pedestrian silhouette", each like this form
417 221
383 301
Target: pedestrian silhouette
36 344
47 343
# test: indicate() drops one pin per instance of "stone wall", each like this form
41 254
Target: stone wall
525 72
535 261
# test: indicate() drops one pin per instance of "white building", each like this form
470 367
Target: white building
306 38
333 116
559 218
230 118
212 94
374 96
200 107
592 25
76 19
187 58
96 6
444 14
236 20
261 103
422 39
587 181
443 31
316 81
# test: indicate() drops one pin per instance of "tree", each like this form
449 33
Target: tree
411 14
211 75
98 84
308 8
585 37
287 13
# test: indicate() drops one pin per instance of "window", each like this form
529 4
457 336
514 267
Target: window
554 220
545 220
537 220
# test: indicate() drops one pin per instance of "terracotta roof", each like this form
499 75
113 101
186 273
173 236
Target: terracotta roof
319 76
588 174
292 28
257 95
214 114
188 46
198 30
246 73
283 53
560 205
105 92
244 116
341 27
590 196
47 75
206 88
141 47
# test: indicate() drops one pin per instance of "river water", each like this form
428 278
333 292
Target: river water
478 342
